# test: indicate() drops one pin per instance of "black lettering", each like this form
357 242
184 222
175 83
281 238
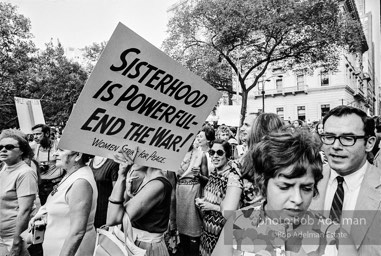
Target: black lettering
145 135
137 70
125 96
154 77
102 89
178 96
173 87
148 106
130 66
164 81
203 99
189 100
174 142
109 91
169 111
158 110
123 56
134 125
104 123
113 130
160 134
94 116
135 100
150 68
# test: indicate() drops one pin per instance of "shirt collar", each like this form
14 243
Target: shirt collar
352 181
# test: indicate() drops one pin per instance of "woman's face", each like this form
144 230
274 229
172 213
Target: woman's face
224 136
320 129
201 139
64 158
10 152
218 156
296 124
288 199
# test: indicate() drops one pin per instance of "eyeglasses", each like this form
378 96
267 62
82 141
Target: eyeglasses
219 152
345 140
8 147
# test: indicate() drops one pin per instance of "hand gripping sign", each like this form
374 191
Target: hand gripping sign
137 96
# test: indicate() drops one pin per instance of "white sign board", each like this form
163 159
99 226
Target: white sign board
228 115
29 113
138 96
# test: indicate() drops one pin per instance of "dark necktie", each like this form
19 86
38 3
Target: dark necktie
337 203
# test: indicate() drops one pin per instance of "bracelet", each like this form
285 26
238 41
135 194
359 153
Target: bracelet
115 202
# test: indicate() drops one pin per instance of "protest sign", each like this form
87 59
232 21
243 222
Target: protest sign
229 115
29 113
138 96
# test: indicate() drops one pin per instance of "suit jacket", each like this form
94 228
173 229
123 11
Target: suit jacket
365 228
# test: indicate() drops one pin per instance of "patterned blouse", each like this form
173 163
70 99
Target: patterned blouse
256 234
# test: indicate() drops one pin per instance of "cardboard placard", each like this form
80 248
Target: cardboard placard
29 113
138 96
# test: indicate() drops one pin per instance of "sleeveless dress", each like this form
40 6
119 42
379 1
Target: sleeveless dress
154 224
58 220
188 188
104 176
214 192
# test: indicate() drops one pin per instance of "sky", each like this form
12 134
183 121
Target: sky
79 23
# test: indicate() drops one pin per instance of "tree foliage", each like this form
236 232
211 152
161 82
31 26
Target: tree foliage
26 72
214 38
16 56
91 54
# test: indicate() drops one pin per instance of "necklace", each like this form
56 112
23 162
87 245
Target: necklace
55 187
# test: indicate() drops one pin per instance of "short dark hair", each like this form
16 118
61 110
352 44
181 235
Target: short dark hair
209 133
21 138
44 128
279 150
226 145
369 124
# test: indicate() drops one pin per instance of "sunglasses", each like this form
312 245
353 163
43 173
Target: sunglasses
8 147
219 152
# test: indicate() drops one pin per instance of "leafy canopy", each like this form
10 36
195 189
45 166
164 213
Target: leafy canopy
247 37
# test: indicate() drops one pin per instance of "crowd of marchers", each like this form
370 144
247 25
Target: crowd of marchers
267 188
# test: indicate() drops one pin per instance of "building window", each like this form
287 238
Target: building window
300 82
280 112
279 85
324 78
324 109
302 113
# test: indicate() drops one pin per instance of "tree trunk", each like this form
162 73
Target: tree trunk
243 107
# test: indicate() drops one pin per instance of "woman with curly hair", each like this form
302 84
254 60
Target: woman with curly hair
288 166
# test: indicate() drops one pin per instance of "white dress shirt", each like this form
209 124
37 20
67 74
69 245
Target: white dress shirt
351 184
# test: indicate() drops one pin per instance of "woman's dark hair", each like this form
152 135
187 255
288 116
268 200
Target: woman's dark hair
209 133
86 158
21 139
280 150
226 145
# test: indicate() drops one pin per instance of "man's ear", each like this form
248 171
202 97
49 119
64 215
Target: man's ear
370 143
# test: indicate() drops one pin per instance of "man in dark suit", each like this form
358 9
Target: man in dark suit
350 191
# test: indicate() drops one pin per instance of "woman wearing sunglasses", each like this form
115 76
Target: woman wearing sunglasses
18 189
221 194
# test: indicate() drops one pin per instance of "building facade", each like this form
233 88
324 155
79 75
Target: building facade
309 97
